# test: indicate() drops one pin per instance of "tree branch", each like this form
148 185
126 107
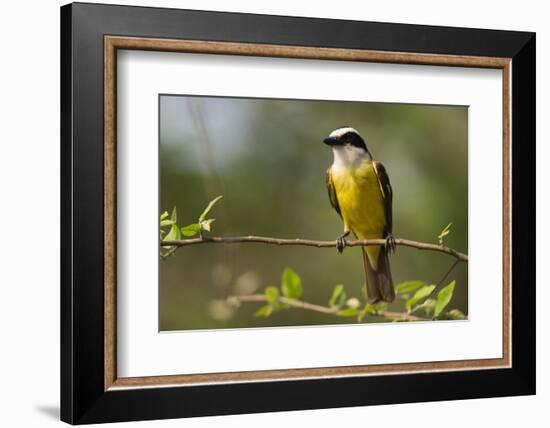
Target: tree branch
312 243
295 303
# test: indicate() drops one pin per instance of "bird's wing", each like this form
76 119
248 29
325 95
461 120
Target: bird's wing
385 186
332 193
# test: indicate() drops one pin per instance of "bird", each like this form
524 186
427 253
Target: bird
359 190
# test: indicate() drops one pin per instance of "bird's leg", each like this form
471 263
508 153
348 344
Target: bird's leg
390 243
341 241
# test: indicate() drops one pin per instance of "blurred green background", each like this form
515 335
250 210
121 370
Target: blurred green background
267 158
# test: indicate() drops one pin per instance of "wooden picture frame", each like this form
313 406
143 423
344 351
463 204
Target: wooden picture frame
91 390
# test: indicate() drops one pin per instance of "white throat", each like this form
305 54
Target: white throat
348 156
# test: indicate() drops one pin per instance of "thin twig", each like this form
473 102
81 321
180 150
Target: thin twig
313 243
295 303
432 294
286 301
443 278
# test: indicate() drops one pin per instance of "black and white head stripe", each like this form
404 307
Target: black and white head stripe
340 132
346 135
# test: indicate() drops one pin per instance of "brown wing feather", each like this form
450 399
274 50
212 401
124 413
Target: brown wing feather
332 193
387 191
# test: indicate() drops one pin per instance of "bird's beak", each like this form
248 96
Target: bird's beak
331 141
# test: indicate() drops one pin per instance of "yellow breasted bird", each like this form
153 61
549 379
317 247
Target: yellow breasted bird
360 191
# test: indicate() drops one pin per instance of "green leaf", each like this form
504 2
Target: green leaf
208 208
272 294
444 297
444 233
408 286
205 224
369 309
174 234
427 306
164 215
348 312
419 295
338 296
174 216
166 223
264 311
456 314
291 284
191 229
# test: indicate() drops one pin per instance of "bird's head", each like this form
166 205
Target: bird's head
346 141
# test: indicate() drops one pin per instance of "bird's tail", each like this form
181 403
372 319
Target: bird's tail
379 281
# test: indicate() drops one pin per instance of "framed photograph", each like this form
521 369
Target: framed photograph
265 213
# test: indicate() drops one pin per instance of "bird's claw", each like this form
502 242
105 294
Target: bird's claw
341 244
390 243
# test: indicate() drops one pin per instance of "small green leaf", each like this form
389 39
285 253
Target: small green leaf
291 284
429 303
205 224
369 309
174 234
348 312
408 286
271 294
166 223
427 306
164 215
264 311
444 233
174 216
208 208
338 296
419 295
456 314
444 297
191 229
